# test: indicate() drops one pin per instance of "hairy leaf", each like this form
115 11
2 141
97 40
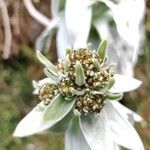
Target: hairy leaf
57 110
79 74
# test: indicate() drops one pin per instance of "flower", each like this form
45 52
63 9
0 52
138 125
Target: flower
79 97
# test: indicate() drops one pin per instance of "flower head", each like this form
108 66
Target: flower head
77 93
84 76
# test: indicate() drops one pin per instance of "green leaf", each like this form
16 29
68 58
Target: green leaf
107 86
79 74
62 125
57 110
96 64
101 49
111 83
68 51
47 63
66 65
114 96
51 76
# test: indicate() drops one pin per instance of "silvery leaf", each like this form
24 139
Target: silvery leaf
127 23
117 147
96 64
57 110
78 22
63 39
55 7
130 115
96 130
66 65
74 138
51 76
79 74
124 83
114 96
123 133
36 87
101 49
62 125
46 80
107 86
35 84
125 50
118 53
31 123
47 63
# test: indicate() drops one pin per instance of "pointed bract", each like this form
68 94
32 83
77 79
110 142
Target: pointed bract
46 80
79 74
68 51
101 49
114 96
35 84
47 63
51 76
107 86
96 63
66 65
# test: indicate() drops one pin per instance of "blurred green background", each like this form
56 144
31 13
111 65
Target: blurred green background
17 72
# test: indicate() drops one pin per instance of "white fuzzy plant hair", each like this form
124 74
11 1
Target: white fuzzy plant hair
118 21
